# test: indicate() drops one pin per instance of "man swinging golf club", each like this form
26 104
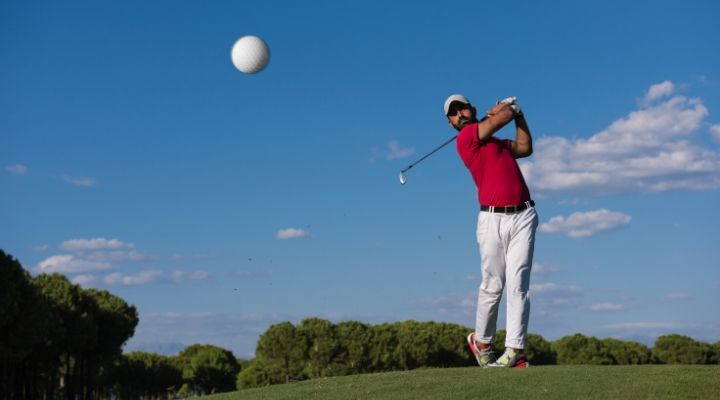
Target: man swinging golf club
506 224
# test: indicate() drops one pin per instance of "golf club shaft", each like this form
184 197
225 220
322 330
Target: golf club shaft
436 149
509 100
429 154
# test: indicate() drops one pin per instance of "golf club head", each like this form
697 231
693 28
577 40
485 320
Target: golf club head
403 179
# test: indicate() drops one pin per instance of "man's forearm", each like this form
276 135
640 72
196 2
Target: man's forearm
522 147
494 122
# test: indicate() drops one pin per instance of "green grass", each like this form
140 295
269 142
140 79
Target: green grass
549 382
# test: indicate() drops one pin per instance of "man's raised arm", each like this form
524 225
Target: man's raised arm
522 145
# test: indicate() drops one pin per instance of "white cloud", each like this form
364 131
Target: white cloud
651 325
658 91
182 276
69 264
553 288
551 298
84 280
650 330
676 296
650 150
586 224
79 181
292 233
605 307
141 278
94 244
199 256
17 169
117 256
451 305
100 254
715 132
152 276
89 255
545 268
395 151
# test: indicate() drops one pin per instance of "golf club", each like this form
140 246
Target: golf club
403 179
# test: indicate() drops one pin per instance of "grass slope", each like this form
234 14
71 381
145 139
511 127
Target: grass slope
549 382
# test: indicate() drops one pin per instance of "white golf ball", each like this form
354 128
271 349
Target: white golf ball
250 54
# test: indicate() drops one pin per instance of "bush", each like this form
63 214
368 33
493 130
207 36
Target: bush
354 354
209 369
678 349
579 349
281 350
256 374
628 352
539 351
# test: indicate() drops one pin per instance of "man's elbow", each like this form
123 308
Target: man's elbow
523 152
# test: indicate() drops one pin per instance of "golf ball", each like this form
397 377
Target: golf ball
250 54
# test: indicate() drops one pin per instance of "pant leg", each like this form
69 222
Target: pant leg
518 265
492 255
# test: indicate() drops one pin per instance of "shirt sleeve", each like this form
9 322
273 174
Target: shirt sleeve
467 138
467 141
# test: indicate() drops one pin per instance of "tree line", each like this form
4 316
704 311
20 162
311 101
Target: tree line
317 348
57 340
60 341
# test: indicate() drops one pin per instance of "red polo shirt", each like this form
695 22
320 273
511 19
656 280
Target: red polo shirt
496 173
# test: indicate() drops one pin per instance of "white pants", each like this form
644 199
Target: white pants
506 245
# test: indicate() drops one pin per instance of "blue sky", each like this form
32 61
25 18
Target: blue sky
135 158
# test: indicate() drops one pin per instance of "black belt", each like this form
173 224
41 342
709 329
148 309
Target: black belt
508 209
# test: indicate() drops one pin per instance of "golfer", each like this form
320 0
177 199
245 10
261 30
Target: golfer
506 224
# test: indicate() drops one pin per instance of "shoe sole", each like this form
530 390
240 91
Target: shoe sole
522 364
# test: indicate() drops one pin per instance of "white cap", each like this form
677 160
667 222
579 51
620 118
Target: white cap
455 97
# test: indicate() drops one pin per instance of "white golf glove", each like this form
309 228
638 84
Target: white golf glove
508 100
517 111
512 102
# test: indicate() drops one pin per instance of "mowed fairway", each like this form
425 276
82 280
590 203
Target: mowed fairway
548 382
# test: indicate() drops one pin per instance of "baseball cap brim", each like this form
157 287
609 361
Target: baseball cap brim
452 98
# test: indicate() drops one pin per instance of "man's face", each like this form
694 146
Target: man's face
460 114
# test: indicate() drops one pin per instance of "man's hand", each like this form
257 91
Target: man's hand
517 111
499 109
512 102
